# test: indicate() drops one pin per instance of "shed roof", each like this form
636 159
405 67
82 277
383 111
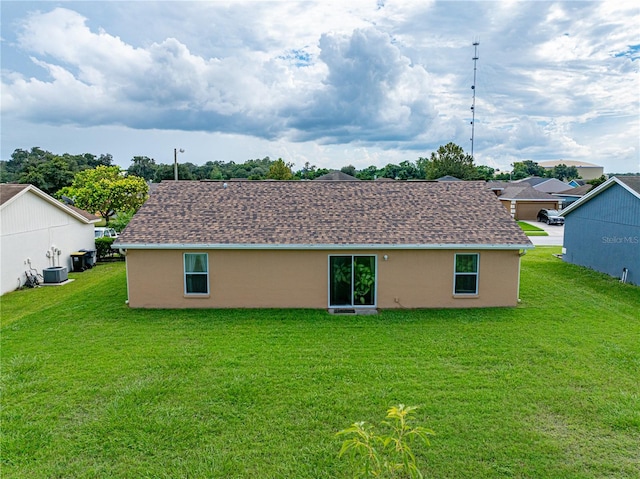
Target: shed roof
315 214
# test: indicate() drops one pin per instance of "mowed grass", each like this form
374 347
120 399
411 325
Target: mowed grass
91 388
531 230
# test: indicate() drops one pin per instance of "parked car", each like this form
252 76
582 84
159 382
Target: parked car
102 232
551 217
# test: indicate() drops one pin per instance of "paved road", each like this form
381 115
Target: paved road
556 234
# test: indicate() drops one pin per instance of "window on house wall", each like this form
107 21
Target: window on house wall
466 273
196 273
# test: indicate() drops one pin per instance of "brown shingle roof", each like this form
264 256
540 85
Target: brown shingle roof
9 190
85 214
316 213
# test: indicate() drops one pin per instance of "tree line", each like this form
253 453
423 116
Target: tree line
51 172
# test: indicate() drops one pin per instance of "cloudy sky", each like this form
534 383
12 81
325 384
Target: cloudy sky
332 82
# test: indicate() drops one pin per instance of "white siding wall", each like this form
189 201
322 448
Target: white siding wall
29 227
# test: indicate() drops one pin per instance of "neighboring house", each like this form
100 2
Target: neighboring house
448 178
587 171
531 181
575 183
34 227
336 176
573 194
322 244
523 201
552 185
546 185
602 229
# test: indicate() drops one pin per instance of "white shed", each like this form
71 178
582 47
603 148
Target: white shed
37 231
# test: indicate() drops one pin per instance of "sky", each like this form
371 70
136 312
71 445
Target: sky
330 82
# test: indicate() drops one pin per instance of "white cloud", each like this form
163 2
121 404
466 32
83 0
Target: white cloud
359 82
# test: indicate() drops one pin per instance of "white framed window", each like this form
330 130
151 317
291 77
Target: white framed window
466 273
196 273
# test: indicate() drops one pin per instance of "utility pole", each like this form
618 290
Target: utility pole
175 163
473 87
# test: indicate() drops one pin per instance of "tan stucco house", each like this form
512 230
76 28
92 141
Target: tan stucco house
337 245
522 201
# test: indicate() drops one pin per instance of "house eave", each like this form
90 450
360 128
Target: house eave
502 198
334 247
596 191
52 201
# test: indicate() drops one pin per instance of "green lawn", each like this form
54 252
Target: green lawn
531 230
549 389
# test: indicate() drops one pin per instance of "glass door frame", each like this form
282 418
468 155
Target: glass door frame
375 282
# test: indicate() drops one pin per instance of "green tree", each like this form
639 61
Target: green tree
349 170
104 190
449 159
527 168
390 171
485 172
597 181
280 170
50 176
368 173
216 173
166 172
308 172
563 172
46 170
143 166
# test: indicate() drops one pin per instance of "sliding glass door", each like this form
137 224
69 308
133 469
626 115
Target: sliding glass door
352 280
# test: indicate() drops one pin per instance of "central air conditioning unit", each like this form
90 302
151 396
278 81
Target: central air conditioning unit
55 274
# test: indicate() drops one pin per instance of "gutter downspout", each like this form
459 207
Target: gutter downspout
520 255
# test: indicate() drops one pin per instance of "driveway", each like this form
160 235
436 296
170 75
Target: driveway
555 232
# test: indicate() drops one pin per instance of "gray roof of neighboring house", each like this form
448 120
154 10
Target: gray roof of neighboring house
336 176
308 214
497 184
513 191
531 181
632 182
448 178
577 191
552 185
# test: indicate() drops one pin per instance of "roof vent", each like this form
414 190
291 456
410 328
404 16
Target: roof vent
224 185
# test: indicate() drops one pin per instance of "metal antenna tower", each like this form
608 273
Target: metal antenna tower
473 87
